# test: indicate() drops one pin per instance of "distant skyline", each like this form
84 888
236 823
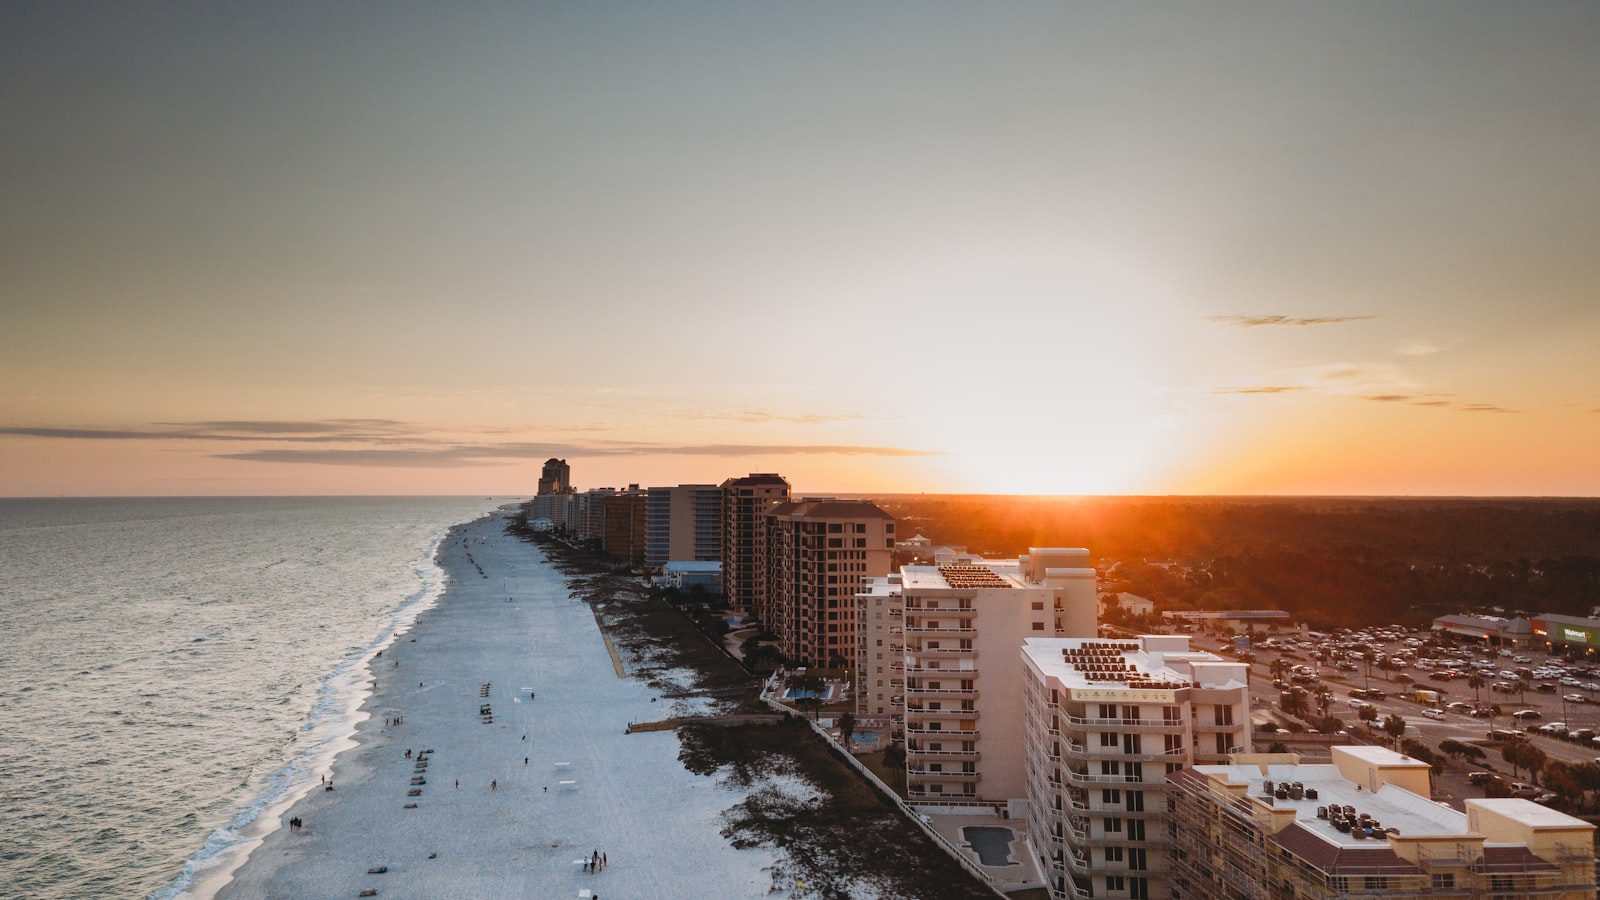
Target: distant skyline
1065 248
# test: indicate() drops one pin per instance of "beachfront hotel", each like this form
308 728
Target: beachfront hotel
964 625
880 649
1266 825
815 554
1106 721
744 500
622 539
682 523
555 477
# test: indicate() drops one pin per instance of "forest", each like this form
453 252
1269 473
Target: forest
1333 562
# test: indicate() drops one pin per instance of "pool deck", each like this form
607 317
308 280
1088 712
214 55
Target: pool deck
1022 873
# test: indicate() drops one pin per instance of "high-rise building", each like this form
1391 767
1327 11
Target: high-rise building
1364 825
555 477
880 682
964 627
1106 721
683 524
623 536
589 513
816 554
744 500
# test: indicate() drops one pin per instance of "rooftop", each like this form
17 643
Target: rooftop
979 573
829 508
1154 662
1322 787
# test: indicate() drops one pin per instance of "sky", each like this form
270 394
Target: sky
1058 248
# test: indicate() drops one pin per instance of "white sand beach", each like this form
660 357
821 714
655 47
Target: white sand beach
629 796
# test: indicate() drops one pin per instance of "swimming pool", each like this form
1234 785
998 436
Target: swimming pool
992 843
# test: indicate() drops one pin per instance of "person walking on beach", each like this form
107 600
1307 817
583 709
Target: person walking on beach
524 760
494 784
602 861
458 784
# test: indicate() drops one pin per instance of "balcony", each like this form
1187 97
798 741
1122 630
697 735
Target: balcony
927 775
936 755
1154 726
946 652
1096 779
1216 727
928 712
913 668
915 792
941 733
942 693
943 629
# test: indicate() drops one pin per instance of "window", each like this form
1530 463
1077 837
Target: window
1376 883
1224 714
1115 883
1113 826
1113 854
1222 743
1037 604
1138 859
1139 888
1131 744
1110 795
1108 738
1444 881
1135 829
1038 626
1135 801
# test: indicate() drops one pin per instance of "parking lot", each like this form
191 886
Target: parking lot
1403 662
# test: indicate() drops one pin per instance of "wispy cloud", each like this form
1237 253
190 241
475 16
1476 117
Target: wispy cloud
1261 389
389 443
763 416
1436 401
1264 321
1417 347
496 455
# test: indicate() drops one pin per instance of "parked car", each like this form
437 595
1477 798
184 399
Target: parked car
1575 698
1527 715
1358 704
1458 706
1581 734
1545 688
1433 712
1482 778
1524 791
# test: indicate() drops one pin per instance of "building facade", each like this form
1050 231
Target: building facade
816 553
1266 825
623 538
880 649
1105 723
744 501
965 624
555 477
683 524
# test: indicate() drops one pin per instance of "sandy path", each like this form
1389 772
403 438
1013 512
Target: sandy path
633 799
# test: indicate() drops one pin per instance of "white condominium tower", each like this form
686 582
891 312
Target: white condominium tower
964 625
1106 722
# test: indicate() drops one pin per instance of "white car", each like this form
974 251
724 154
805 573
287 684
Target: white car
1433 713
1575 698
1592 686
1358 704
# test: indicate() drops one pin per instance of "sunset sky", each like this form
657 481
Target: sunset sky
281 248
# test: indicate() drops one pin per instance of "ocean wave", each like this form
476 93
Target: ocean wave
328 729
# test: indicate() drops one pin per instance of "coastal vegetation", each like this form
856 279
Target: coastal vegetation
834 833
1332 562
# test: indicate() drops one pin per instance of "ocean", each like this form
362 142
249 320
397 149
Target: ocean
169 668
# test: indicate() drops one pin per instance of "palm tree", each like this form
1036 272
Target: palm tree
1477 683
1368 656
1394 727
1294 704
847 728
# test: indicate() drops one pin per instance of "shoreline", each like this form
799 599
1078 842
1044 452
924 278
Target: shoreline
506 801
211 867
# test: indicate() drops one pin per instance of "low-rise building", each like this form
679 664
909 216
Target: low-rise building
690 574
1239 621
1493 630
1267 825
1132 604
1106 722
1569 632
